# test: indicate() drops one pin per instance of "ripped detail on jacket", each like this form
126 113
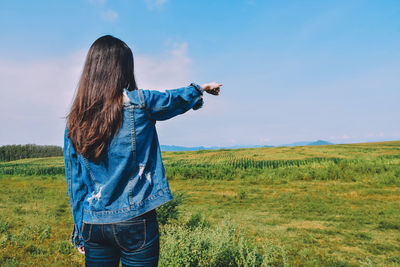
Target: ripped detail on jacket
95 196
147 174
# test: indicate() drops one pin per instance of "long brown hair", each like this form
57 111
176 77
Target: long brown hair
96 113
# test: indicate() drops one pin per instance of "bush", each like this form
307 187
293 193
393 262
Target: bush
170 209
222 245
196 220
242 193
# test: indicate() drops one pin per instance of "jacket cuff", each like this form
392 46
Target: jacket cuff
78 242
199 103
198 87
76 239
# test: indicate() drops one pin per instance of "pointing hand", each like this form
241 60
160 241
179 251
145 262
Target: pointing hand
212 88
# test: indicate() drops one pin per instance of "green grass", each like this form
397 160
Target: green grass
308 206
315 221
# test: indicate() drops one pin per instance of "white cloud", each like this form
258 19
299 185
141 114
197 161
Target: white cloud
109 15
164 72
105 14
152 4
36 96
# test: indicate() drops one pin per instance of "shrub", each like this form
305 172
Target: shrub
222 245
196 220
170 209
242 193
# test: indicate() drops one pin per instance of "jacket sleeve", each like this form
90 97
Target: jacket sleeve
77 190
165 105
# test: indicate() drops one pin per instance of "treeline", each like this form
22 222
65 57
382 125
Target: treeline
14 152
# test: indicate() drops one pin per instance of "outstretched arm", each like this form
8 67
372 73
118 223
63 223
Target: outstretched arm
168 104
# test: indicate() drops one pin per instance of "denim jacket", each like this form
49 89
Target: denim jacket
130 180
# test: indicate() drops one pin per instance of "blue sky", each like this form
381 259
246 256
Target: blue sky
292 70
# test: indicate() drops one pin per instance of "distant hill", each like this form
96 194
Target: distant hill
309 143
320 143
184 148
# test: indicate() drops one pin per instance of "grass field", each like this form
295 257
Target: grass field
335 205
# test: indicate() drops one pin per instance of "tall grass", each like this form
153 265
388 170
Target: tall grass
380 169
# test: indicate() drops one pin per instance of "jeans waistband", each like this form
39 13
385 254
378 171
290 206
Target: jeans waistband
150 215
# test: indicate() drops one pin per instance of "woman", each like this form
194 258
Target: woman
115 175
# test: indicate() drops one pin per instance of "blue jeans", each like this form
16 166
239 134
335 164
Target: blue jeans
135 242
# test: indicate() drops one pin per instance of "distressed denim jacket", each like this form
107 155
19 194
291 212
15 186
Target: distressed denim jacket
130 180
